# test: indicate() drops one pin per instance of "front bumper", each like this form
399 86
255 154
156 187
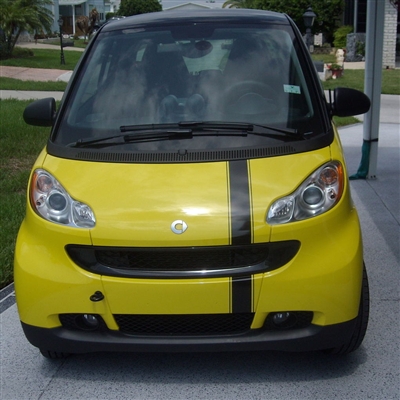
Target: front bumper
312 338
324 278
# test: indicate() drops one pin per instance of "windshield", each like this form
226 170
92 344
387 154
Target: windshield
228 73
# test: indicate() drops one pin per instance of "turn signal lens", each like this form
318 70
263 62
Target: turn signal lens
52 202
282 210
316 195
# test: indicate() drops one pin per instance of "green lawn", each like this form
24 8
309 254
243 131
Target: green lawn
42 58
19 146
77 42
16 84
354 78
326 58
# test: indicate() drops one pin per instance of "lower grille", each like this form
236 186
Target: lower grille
184 325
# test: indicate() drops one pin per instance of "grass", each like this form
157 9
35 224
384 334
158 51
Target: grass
77 42
326 58
19 146
16 84
42 58
344 121
354 78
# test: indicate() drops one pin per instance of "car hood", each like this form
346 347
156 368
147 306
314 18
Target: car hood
196 204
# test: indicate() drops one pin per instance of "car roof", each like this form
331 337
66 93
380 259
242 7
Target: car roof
197 16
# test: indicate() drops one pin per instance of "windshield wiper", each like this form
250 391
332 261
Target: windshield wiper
157 132
198 125
143 135
217 126
171 134
285 131
186 130
242 126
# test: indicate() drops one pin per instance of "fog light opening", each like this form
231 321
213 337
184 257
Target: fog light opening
284 320
87 322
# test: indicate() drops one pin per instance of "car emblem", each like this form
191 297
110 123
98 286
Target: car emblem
178 226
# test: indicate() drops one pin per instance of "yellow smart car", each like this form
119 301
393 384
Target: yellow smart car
192 196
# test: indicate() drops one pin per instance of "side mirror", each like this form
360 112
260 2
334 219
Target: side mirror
347 102
41 112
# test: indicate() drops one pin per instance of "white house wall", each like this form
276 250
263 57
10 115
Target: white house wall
389 36
187 5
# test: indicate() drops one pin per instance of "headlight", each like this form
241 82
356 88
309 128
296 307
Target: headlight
51 201
316 195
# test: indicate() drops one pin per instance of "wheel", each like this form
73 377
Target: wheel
361 322
53 354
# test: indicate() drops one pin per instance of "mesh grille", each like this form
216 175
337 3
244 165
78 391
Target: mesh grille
184 325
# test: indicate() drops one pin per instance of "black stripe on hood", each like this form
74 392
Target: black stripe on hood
240 215
240 206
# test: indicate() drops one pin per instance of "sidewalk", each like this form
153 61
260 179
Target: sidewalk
38 45
38 74
35 74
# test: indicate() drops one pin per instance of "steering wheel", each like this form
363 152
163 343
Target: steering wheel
238 89
248 97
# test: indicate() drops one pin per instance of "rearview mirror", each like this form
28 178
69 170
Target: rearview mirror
41 112
347 102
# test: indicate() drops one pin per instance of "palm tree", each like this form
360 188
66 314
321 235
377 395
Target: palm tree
238 4
88 24
17 16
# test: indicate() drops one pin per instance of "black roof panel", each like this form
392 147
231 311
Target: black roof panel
191 16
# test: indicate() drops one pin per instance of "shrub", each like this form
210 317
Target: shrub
335 67
134 7
360 48
340 36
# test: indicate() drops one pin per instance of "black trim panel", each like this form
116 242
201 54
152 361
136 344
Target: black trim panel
220 261
242 294
115 155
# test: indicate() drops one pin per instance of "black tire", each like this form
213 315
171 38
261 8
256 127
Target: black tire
361 322
53 354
